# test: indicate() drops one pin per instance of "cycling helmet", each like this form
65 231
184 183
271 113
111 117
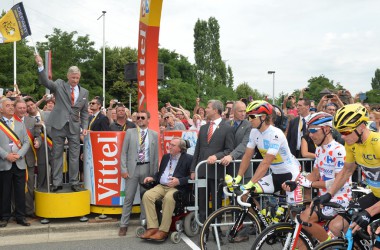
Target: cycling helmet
259 107
320 119
371 125
350 116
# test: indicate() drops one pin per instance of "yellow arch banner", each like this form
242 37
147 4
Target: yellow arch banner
149 27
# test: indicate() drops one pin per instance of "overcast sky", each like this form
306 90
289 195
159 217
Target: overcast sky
298 39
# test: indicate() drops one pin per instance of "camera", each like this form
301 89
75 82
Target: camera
330 96
290 97
306 89
49 96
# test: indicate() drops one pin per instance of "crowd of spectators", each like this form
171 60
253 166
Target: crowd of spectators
292 118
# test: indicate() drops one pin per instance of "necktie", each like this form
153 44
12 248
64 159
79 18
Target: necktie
72 96
91 121
210 131
236 124
303 126
142 147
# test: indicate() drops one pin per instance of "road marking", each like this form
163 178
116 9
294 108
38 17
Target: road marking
189 242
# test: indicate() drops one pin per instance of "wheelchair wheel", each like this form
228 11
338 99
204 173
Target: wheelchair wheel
140 230
191 227
175 237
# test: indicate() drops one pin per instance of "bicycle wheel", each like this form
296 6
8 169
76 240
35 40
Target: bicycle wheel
333 244
217 228
275 236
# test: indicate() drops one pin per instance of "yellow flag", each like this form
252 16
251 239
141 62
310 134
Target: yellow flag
14 25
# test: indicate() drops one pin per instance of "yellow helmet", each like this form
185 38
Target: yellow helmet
350 116
259 107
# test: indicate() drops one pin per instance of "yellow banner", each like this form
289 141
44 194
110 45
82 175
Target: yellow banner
14 25
150 13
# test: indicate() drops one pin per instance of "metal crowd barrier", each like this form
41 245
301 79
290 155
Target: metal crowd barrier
202 183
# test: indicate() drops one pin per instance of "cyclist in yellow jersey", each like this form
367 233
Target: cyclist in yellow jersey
362 149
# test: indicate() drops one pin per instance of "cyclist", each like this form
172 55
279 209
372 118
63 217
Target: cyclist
273 146
363 149
329 161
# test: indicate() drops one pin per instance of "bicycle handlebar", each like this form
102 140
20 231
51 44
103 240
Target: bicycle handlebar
242 203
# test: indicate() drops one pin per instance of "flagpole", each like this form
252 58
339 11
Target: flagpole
104 57
14 66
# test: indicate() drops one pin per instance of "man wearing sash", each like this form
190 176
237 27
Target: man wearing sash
40 117
14 145
31 156
139 159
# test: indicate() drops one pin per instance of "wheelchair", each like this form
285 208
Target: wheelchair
182 220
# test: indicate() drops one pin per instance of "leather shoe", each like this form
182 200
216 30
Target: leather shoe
159 236
148 233
123 231
76 188
242 238
23 222
55 188
3 223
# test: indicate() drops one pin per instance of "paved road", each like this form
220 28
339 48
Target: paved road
129 242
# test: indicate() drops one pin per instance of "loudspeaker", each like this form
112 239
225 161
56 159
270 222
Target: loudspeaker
130 72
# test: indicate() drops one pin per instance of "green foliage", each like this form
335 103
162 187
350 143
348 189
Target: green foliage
243 90
208 59
373 96
376 80
25 67
177 92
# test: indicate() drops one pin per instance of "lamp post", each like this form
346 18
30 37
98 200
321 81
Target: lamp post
104 56
271 72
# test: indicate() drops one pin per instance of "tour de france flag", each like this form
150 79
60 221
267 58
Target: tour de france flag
14 25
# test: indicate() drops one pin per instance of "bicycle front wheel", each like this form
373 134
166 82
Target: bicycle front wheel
339 244
279 236
219 227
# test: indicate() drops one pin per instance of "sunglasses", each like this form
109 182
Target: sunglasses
251 117
313 130
140 117
346 132
93 103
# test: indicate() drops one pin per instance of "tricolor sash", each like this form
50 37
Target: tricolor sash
10 133
48 140
30 138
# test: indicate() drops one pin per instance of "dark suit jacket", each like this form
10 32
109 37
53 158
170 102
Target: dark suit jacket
293 135
241 138
101 123
182 171
221 144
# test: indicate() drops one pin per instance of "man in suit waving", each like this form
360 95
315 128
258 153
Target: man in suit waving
173 176
69 114
139 159
215 140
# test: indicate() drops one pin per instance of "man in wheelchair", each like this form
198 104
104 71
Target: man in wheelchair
172 176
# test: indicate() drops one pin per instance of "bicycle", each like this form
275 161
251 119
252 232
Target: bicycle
227 222
359 241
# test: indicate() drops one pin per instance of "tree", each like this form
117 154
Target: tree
208 58
243 90
376 80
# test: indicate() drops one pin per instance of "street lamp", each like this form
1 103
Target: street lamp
104 56
272 73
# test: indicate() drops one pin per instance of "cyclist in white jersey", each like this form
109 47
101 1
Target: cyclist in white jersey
273 146
329 161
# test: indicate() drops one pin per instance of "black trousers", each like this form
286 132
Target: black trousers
203 196
15 177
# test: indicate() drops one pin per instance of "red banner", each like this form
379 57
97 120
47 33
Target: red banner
102 153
